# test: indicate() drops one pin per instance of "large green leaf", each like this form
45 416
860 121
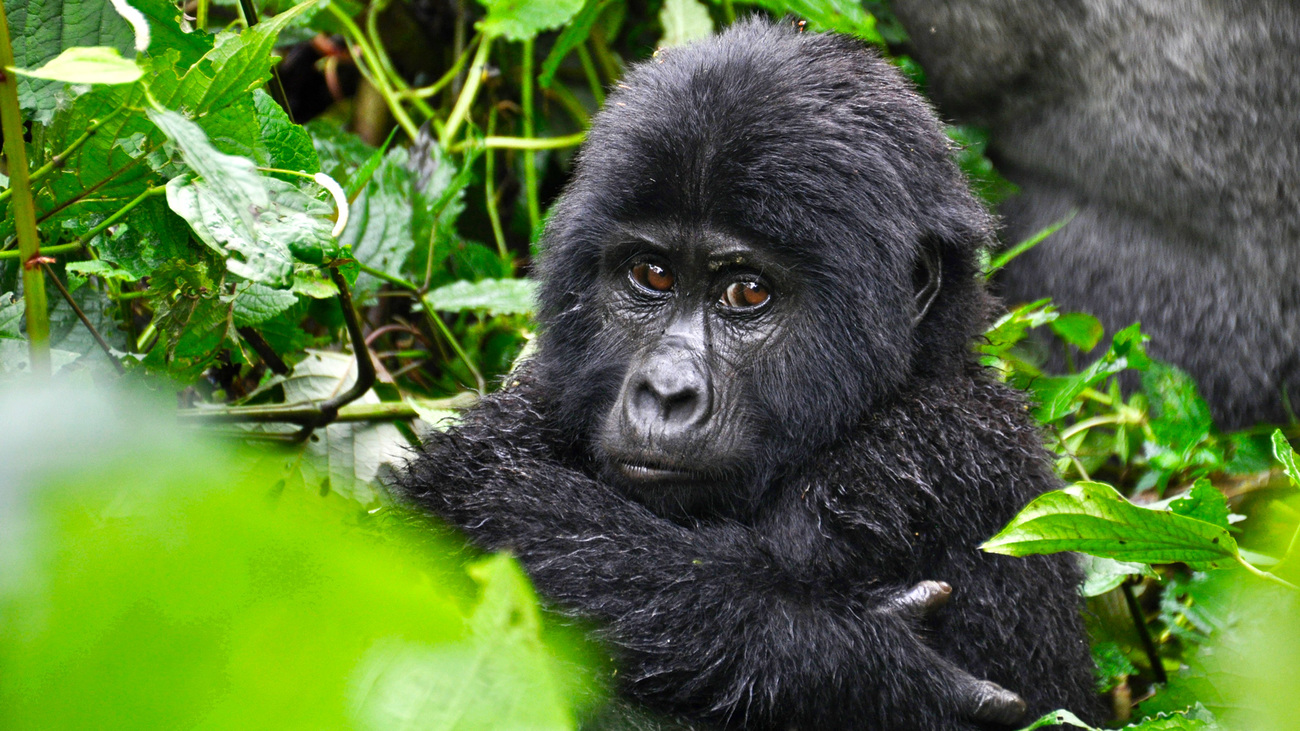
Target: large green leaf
87 65
287 144
494 296
253 220
379 227
1090 517
520 20
1286 456
684 21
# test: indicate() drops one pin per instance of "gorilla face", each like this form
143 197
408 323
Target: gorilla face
696 311
738 273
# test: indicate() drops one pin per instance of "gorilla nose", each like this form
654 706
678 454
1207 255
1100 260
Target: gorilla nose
671 394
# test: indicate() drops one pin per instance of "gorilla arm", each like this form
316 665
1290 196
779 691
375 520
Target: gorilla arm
707 618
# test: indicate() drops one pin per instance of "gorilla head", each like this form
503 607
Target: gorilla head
764 239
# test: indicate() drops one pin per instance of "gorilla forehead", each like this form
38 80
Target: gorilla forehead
807 142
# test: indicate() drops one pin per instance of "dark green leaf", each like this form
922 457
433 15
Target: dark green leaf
1203 502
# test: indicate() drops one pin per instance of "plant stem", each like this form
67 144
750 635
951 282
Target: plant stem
1090 423
103 344
472 81
1264 574
530 132
121 212
526 143
1144 633
201 15
424 92
490 191
368 63
432 316
24 209
62 157
593 79
47 251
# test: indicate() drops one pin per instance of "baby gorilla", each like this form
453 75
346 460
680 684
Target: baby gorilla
754 447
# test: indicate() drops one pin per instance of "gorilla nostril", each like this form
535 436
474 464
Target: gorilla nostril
681 407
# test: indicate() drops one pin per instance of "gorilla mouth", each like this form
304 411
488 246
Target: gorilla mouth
645 472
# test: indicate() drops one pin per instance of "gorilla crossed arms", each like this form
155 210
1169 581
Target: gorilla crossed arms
754 446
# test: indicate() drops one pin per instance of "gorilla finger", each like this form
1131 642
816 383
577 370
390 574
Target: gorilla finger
991 703
922 599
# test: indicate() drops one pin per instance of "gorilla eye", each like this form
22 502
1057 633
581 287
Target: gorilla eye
744 295
652 276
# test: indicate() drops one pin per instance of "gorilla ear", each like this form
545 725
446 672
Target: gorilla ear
927 279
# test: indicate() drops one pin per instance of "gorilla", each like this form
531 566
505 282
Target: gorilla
754 447
1173 128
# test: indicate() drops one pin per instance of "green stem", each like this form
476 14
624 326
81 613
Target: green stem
472 81
561 94
201 15
396 82
1264 574
525 143
121 212
490 191
729 11
432 316
593 79
604 56
24 209
46 251
1090 423
59 159
530 132
424 92
369 64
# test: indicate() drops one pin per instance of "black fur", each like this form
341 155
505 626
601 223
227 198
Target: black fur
877 454
1173 128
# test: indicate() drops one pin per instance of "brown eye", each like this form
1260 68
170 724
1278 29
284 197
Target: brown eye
652 276
743 295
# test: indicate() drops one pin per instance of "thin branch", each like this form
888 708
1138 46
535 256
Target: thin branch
103 344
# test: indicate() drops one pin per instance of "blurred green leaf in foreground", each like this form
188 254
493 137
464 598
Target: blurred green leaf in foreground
148 581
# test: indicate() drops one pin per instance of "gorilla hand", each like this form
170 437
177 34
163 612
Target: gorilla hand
980 700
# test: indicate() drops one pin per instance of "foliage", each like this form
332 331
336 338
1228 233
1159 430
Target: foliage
223 600
320 258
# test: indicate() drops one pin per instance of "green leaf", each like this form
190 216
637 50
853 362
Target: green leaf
1057 395
1103 574
379 227
1090 517
1058 718
288 144
258 223
349 458
1180 417
684 21
40 30
843 16
1005 257
1078 329
478 688
1286 456
520 20
87 65
256 303
1203 502
494 296
1011 327
12 308
574 33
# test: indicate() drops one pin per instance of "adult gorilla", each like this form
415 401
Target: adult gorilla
1173 128
754 446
